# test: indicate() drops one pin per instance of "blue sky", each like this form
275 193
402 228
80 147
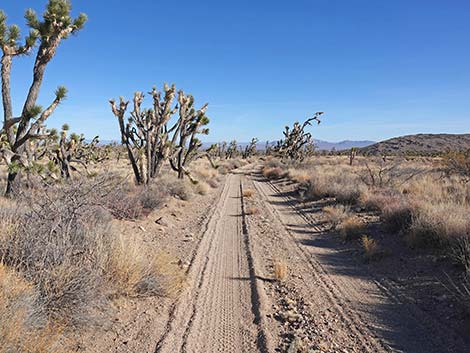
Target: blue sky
377 68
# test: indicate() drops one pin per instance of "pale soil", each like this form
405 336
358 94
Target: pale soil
329 301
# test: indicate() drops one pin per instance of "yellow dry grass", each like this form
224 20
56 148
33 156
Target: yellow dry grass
248 193
370 247
18 330
280 270
250 211
351 228
135 271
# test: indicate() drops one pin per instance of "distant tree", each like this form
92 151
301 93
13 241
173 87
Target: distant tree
297 142
57 24
250 149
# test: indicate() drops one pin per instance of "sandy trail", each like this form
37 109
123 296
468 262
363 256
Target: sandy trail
218 312
224 307
365 314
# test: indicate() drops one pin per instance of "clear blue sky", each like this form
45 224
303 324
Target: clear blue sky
377 68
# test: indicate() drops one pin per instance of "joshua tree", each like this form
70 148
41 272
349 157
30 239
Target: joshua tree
190 124
56 25
250 149
296 141
352 155
73 149
232 150
146 134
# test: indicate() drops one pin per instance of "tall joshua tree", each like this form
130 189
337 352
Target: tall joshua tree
191 122
57 24
150 139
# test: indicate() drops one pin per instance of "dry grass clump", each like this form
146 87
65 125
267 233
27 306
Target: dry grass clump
23 328
135 272
370 248
202 188
327 182
248 193
179 188
301 176
351 228
273 173
280 270
336 214
250 211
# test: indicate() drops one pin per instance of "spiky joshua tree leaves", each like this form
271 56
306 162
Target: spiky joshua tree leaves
297 143
56 25
151 138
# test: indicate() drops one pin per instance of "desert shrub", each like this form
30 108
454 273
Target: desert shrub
57 245
152 197
370 248
396 214
179 188
61 263
438 224
125 203
202 188
299 175
23 327
460 251
213 183
457 162
273 163
351 228
134 272
336 214
273 173
327 182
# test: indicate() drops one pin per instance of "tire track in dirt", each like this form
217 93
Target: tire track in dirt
427 332
337 300
216 312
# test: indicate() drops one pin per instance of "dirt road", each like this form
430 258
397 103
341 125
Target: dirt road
232 304
219 310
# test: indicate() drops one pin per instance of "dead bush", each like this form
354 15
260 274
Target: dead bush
58 245
152 197
336 214
370 248
273 173
179 188
124 203
351 228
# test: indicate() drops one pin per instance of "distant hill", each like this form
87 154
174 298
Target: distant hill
426 144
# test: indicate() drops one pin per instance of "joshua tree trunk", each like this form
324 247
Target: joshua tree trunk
10 183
